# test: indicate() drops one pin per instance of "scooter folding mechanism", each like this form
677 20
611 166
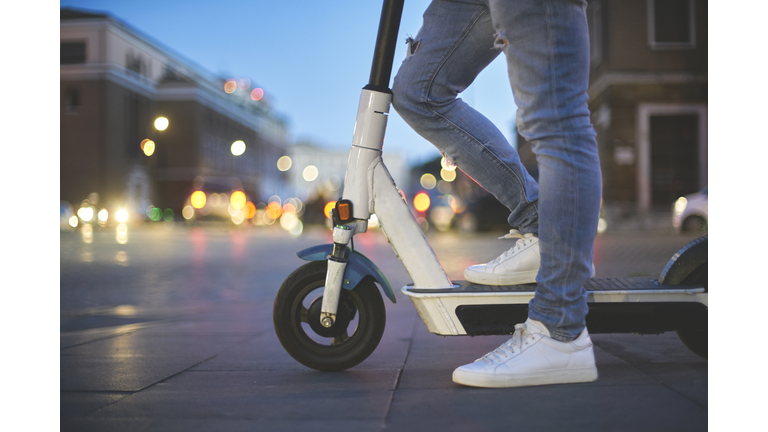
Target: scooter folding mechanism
329 315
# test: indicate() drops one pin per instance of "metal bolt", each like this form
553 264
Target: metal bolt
327 322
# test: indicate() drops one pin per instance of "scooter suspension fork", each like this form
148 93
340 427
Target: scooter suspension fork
337 263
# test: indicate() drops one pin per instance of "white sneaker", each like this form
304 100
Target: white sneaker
519 265
532 358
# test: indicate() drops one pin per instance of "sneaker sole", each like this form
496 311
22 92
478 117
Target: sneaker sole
519 278
569 376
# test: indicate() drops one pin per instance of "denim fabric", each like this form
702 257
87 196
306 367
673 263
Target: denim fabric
547 51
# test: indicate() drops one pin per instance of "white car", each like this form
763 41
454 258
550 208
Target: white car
689 213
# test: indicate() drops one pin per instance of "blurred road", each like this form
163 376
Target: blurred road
172 331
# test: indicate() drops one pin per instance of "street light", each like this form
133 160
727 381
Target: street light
161 123
238 148
148 147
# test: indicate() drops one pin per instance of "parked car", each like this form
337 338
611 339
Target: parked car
689 213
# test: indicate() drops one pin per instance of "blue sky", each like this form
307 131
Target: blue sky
312 58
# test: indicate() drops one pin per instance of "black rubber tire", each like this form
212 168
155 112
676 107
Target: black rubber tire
695 340
689 267
346 353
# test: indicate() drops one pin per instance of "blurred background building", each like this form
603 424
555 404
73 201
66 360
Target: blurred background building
648 98
115 83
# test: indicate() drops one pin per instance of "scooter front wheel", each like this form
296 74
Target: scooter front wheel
359 325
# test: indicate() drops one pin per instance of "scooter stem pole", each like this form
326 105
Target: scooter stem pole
384 55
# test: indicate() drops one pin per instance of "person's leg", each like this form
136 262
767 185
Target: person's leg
547 49
546 45
455 43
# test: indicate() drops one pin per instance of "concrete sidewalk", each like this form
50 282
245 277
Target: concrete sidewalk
217 365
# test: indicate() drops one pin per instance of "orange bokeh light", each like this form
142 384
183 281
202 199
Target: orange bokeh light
237 199
197 199
230 86
274 210
250 210
328 207
257 94
421 202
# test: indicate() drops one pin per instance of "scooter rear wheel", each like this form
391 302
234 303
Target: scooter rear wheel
360 320
689 267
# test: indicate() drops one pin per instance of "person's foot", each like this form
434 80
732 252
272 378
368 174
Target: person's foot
519 265
532 358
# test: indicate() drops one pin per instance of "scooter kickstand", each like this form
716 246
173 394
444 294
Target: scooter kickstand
337 263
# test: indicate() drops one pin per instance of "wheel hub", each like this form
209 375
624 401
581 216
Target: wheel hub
344 316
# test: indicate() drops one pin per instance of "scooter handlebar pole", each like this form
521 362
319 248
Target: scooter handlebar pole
384 55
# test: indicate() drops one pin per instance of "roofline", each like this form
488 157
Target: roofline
170 52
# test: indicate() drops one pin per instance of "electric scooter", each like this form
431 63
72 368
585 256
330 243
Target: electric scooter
329 315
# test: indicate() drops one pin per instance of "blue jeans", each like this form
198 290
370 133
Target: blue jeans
547 51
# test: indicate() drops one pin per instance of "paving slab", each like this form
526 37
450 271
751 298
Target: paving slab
575 407
254 395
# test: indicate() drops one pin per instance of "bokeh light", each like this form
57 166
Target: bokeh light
297 229
257 94
237 199
155 214
310 173
289 208
230 86
87 232
188 212
73 221
448 175
274 210
122 215
284 163
288 221
85 213
457 205
121 233
330 205
250 210
148 147
245 83
238 148
121 257
161 123
168 215
447 165
602 225
214 199
421 202
428 181
373 221
103 215
197 199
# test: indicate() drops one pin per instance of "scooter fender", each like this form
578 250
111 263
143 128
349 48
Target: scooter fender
358 267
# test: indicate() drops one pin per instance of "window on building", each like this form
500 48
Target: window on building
671 24
72 101
72 52
134 63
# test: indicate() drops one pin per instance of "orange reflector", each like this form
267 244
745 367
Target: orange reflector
344 211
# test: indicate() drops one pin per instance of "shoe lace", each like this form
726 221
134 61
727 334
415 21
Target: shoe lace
523 240
511 347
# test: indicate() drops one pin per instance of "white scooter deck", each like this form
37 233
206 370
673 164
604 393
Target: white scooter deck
641 304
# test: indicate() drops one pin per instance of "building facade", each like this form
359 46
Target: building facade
648 99
116 81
